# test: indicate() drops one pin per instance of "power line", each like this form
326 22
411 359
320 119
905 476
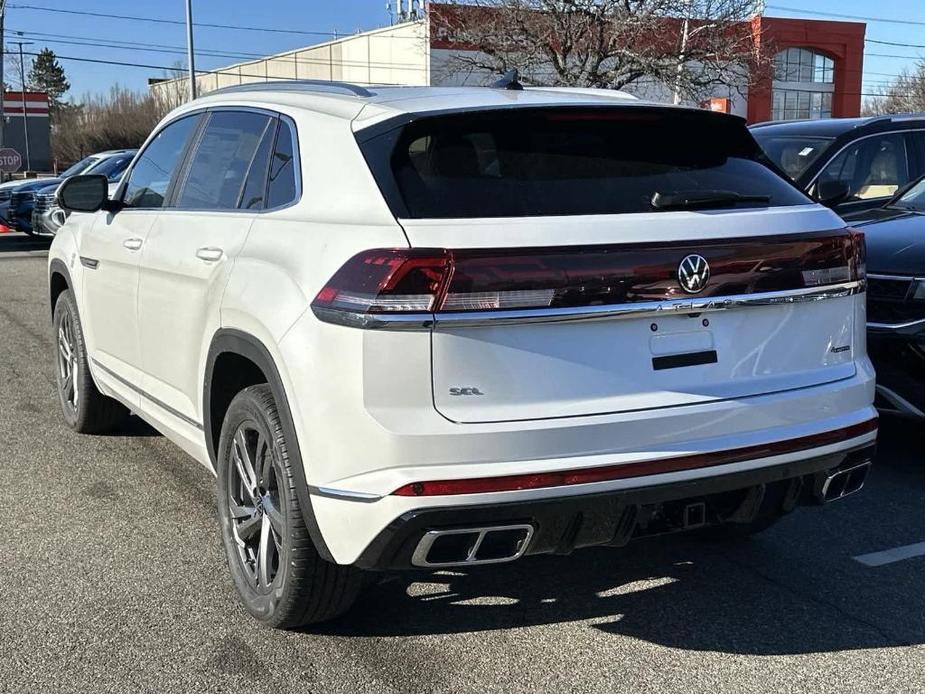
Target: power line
173 68
838 15
894 43
178 50
158 20
101 40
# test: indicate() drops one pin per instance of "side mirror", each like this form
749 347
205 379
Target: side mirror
832 193
84 193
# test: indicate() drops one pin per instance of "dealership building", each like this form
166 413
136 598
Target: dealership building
817 72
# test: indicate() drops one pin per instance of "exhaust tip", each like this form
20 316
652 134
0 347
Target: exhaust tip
841 483
472 546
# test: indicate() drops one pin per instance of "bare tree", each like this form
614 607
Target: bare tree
117 120
906 94
690 46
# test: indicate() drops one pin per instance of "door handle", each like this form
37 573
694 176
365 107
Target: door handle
209 255
133 244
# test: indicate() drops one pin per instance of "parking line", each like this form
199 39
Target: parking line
890 556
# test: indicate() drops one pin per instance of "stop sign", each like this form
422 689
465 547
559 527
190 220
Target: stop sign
10 160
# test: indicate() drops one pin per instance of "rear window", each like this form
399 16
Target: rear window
793 154
567 161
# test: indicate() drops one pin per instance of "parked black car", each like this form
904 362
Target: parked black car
849 164
895 236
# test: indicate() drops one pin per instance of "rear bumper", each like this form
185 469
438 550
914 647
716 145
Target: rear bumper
561 525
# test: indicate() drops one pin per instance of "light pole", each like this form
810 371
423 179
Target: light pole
191 58
25 114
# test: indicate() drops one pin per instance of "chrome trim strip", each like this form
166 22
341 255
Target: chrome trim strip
643 309
344 494
164 406
895 326
902 405
895 278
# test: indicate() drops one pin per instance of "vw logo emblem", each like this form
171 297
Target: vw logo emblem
693 273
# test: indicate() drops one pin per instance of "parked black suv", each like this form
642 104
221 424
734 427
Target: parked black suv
895 235
849 164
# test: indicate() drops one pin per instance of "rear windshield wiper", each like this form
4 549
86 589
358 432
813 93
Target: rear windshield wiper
698 199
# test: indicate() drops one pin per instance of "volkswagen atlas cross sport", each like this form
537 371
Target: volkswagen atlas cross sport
433 327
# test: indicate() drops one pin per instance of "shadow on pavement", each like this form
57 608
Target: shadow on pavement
793 590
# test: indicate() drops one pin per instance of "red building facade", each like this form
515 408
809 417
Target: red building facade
816 71
841 42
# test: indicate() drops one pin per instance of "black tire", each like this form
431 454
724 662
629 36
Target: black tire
256 486
90 412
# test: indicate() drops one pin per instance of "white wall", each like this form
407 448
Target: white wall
392 55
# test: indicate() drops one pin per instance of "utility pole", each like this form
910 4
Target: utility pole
191 58
2 61
25 115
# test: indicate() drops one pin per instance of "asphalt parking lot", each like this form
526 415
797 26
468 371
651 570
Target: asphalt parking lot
112 580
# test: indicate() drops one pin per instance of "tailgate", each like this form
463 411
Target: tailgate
776 313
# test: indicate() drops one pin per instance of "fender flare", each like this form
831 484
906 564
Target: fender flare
227 340
58 266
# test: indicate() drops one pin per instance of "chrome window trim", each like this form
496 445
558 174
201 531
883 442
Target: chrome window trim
643 309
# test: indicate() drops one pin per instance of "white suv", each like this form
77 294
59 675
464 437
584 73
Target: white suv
420 327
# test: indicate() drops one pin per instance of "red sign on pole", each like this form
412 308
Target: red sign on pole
10 160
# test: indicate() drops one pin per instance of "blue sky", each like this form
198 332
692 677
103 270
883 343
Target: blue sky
68 34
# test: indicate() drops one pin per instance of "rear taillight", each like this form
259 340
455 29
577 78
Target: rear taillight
387 281
408 284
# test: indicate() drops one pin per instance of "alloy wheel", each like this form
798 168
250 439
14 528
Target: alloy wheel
67 361
256 514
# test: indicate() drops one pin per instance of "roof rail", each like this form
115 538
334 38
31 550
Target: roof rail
330 87
894 117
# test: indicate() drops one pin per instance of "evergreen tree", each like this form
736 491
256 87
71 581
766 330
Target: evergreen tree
47 75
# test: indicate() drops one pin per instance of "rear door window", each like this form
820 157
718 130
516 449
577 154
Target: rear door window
222 159
254 195
570 161
874 167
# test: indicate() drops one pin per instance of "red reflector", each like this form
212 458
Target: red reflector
629 470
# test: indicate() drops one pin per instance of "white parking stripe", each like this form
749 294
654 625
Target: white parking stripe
889 556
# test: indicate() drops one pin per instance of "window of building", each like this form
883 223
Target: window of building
804 81
793 104
803 65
